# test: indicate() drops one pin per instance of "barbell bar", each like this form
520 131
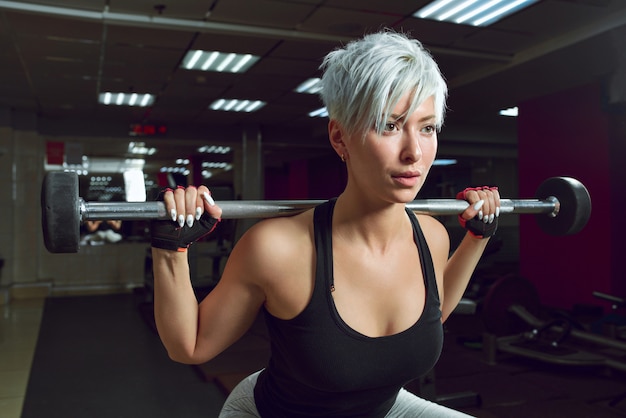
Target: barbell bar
562 207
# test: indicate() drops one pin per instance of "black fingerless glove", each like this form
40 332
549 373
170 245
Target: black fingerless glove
169 235
478 228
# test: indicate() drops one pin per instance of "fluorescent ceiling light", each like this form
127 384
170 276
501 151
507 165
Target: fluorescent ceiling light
218 61
175 170
209 168
236 105
215 164
126 99
213 149
319 113
140 148
471 12
511 111
311 86
444 161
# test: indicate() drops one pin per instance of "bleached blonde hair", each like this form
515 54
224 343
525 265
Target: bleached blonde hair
363 81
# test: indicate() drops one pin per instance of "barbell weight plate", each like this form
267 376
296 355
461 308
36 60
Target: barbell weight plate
505 292
60 212
574 206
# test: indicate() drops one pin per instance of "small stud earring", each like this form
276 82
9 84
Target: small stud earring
343 158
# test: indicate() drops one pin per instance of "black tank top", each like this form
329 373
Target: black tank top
320 367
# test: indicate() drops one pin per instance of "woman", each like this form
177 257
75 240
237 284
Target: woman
354 291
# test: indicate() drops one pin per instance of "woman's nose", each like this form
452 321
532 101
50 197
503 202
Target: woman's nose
411 150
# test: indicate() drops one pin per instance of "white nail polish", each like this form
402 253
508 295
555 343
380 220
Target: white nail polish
208 198
491 218
480 214
189 221
479 204
181 220
198 213
173 214
497 211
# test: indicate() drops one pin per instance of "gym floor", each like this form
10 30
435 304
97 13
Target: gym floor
513 387
19 328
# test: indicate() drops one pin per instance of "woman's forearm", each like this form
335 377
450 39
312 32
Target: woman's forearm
459 270
175 304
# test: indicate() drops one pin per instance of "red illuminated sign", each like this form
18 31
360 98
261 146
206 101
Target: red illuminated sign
138 129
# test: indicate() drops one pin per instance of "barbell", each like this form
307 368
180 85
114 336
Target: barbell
562 207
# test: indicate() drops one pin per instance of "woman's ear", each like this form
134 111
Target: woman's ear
337 136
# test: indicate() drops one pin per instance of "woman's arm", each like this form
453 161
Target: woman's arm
116 225
194 333
91 226
458 271
484 203
175 304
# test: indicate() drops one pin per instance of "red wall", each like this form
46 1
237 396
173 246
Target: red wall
617 151
567 134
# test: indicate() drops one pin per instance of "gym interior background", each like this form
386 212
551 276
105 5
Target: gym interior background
562 63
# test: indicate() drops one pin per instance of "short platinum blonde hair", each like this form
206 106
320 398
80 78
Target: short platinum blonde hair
363 81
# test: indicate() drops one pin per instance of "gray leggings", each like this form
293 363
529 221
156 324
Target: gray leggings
240 404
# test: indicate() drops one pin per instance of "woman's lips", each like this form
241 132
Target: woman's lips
408 179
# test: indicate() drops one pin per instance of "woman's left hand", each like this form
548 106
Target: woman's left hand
481 216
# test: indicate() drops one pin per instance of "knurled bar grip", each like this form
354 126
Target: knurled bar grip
233 209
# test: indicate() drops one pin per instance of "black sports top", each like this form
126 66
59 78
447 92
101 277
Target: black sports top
320 367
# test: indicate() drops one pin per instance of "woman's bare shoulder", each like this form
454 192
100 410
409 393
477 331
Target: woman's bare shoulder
436 234
281 233
272 245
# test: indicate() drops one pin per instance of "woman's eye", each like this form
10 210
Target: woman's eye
430 129
391 126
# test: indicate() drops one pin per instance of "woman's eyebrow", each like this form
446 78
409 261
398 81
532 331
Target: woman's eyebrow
395 116
427 118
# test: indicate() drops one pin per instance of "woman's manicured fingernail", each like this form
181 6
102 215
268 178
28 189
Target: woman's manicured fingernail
173 214
198 213
479 204
208 198
181 220
491 218
497 211
190 220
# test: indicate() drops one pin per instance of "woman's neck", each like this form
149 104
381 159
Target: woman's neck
376 224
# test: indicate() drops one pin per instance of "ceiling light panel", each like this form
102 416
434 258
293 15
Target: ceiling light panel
236 105
126 99
311 86
471 12
511 111
322 112
214 149
218 61
140 148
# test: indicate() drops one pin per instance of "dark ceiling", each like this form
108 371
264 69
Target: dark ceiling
55 62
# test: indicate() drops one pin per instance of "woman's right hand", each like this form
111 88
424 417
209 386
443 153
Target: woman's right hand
194 214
